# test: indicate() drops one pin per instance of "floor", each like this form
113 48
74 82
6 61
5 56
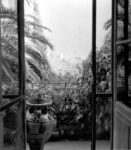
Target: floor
72 145
76 145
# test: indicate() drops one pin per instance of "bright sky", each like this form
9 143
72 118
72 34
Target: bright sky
71 24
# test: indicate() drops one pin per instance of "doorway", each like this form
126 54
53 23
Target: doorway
99 80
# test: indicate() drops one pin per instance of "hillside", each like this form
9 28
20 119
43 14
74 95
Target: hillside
62 65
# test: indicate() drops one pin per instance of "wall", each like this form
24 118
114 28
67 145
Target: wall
122 127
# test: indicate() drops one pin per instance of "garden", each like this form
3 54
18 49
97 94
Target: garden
71 95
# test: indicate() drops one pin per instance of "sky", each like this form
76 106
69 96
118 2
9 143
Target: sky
71 24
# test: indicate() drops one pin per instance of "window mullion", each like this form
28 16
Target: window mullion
93 145
126 48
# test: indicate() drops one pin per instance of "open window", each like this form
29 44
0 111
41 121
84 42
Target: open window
12 99
121 49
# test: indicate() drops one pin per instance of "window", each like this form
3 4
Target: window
12 106
123 52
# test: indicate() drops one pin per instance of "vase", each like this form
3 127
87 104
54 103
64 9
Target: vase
40 123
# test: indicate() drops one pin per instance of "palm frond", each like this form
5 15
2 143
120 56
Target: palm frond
31 17
35 58
35 68
7 70
37 25
36 55
8 27
30 74
40 38
8 47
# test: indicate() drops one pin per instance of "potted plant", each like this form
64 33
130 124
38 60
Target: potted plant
40 123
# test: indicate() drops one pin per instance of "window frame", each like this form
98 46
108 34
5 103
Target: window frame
20 98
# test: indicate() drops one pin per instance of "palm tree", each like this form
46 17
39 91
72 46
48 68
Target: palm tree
35 46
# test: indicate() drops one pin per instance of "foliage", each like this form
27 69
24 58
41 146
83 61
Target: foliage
75 115
35 46
103 85
71 102
36 63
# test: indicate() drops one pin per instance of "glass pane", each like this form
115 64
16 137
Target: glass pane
103 118
129 71
129 18
120 19
9 43
13 128
123 54
120 73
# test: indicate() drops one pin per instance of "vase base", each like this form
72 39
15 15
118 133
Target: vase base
36 147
